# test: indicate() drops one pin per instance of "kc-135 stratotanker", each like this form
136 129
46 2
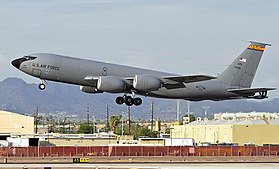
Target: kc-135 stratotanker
98 77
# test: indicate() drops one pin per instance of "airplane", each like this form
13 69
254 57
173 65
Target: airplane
98 77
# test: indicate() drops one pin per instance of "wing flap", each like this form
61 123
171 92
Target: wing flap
188 79
249 91
174 86
175 82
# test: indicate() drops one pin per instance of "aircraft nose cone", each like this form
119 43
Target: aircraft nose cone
16 63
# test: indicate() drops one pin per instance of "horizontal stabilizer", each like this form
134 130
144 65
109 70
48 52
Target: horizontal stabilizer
249 91
188 79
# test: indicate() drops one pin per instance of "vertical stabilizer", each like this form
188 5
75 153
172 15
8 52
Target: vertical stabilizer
243 69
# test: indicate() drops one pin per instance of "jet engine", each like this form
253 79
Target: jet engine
110 84
89 89
146 83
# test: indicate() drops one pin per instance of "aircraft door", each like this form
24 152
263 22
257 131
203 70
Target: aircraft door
37 73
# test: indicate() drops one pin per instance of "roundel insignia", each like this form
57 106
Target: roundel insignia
105 71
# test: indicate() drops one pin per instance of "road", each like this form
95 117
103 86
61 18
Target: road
145 166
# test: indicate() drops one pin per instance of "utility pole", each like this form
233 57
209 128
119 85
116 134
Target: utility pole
152 115
36 119
189 119
87 111
69 126
58 122
64 121
177 110
107 113
122 126
94 121
129 120
48 121
205 111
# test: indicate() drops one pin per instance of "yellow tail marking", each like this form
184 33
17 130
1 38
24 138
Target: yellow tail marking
254 47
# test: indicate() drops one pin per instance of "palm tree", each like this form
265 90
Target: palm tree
113 122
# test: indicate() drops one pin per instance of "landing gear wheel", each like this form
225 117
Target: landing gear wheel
119 100
263 94
129 101
137 101
42 86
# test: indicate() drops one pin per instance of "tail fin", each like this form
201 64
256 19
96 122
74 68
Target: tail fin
243 69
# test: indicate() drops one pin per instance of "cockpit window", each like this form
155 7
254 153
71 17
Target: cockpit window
29 57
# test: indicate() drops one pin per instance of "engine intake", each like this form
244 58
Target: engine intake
146 83
89 89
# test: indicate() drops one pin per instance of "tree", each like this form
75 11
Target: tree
167 131
143 131
113 122
119 130
39 120
192 117
50 124
85 128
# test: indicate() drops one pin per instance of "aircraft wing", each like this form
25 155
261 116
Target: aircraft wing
249 91
170 82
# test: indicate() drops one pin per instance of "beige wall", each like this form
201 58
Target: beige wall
256 134
204 133
15 123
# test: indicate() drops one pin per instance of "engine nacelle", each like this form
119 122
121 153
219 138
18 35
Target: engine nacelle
89 89
146 83
110 84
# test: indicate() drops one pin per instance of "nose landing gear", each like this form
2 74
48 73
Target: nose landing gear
128 100
42 85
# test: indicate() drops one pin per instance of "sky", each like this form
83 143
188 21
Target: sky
177 36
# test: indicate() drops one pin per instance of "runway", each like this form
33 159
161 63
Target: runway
144 166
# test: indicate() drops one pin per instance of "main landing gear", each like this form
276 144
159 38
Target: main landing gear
263 94
128 100
42 85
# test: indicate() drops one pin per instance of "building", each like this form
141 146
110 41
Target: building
243 131
57 139
241 116
13 123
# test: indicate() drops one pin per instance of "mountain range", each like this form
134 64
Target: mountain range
18 96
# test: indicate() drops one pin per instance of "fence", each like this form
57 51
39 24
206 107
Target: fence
81 151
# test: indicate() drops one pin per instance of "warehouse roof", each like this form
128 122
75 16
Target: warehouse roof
236 122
